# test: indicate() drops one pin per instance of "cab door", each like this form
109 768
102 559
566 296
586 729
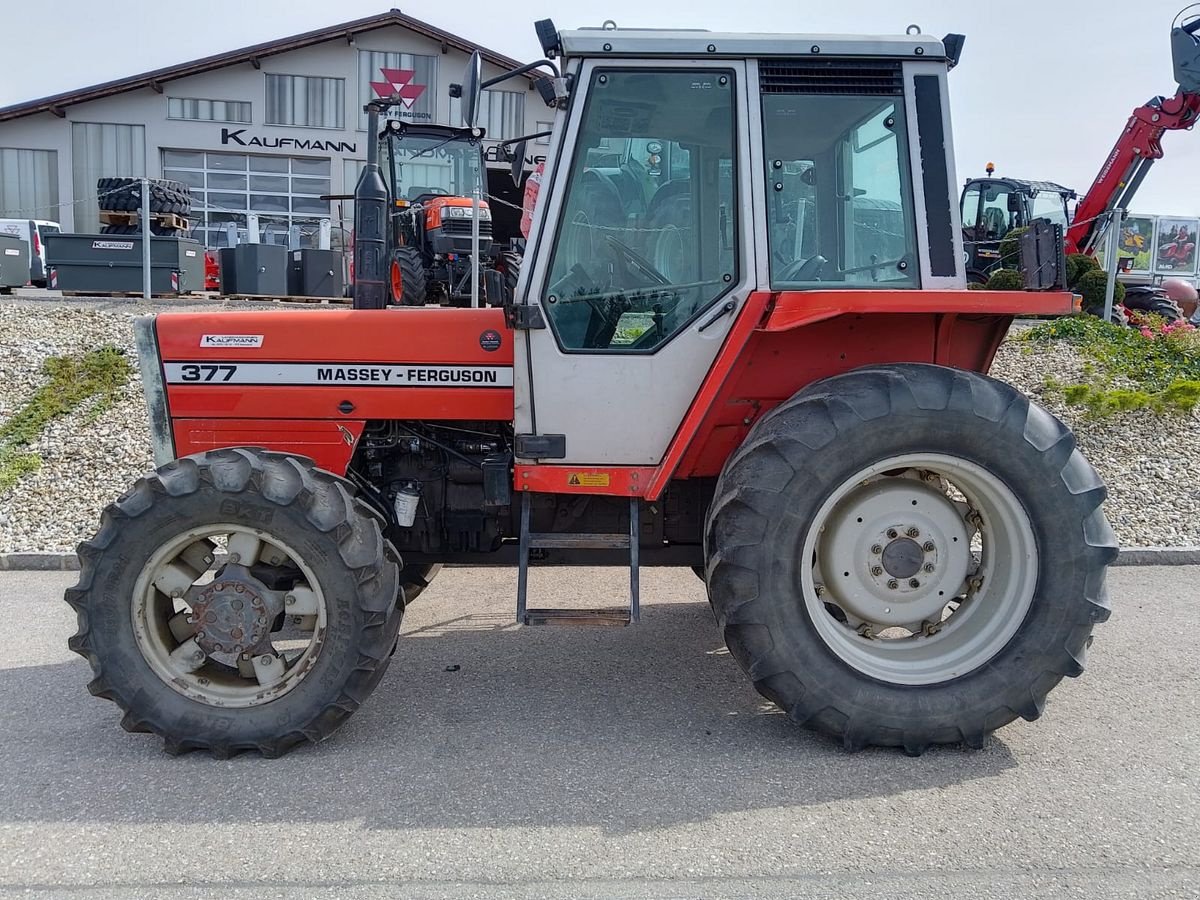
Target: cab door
642 257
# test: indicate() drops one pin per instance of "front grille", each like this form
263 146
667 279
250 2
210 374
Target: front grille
463 226
831 76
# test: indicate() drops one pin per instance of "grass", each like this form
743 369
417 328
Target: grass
1127 369
71 382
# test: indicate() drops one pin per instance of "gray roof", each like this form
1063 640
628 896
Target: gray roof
58 102
678 42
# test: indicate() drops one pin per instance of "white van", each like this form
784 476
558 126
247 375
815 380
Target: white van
33 232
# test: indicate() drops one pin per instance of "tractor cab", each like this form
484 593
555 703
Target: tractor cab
992 207
434 176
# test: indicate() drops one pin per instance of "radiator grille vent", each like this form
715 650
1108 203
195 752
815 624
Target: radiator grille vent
831 76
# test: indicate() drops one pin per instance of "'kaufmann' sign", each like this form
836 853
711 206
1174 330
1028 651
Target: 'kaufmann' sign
239 137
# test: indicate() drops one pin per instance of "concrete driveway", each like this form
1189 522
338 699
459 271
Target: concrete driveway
605 763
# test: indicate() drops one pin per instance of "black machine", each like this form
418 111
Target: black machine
992 207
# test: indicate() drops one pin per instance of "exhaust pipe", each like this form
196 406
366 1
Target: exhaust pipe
370 224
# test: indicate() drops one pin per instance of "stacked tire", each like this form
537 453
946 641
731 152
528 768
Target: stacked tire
124 195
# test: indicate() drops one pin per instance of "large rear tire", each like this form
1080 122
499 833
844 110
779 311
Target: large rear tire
908 555
237 600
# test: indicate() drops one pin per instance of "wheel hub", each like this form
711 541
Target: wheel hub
894 553
903 558
233 614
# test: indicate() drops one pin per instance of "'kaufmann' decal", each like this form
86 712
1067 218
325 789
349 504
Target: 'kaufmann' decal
231 340
339 374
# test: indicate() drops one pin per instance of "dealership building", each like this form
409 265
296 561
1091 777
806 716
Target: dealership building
269 129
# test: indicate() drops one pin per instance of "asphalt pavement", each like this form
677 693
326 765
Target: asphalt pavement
580 763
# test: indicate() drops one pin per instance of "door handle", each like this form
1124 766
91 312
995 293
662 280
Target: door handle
728 307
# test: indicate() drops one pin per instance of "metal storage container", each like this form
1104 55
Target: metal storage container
259 269
113 263
14 262
315 273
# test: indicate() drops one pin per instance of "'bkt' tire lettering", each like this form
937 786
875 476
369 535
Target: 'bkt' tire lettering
247 512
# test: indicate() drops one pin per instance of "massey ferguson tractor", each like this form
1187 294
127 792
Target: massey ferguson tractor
898 550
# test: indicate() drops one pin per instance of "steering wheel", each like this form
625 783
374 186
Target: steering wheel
804 270
640 262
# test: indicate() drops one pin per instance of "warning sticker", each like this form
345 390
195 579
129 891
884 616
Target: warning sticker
589 479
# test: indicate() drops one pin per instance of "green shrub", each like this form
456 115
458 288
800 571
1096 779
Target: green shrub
1079 264
1006 280
1093 285
1010 248
976 286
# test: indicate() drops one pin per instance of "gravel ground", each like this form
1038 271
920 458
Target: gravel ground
1149 462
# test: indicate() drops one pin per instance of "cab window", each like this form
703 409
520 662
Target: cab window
839 192
648 235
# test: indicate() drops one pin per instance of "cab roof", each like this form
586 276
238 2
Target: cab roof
653 42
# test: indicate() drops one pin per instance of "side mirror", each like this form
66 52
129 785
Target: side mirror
472 88
517 160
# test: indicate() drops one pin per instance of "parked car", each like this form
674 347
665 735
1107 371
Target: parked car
33 232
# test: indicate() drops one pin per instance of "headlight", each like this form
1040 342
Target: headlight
464 212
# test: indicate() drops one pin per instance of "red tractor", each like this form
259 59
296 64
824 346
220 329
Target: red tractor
789 398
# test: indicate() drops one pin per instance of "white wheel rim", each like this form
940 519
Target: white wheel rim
919 569
197 664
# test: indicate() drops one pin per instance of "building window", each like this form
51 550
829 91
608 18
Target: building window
501 114
413 77
102 150
308 101
28 184
236 111
543 126
226 187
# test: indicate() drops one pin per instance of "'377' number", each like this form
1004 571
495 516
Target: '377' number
207 372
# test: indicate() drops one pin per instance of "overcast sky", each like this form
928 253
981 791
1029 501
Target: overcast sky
1044 88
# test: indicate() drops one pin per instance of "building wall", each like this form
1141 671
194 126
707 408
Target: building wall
83 150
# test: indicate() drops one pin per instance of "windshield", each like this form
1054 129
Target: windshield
1049 205
430 164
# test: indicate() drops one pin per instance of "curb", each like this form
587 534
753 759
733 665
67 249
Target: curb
1158 556
1133 556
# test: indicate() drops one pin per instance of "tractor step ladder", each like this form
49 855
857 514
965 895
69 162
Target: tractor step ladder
612 615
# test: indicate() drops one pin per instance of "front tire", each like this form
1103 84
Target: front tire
908 555
237 600
406 278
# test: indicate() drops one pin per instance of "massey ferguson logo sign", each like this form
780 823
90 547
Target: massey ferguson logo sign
399 83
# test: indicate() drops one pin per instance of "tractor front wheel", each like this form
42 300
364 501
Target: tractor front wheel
237 600
908 555
406 278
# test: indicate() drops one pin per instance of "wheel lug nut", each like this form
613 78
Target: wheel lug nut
928 547
893 584
876 549
877 570
912 582
913 532
891 532
928 567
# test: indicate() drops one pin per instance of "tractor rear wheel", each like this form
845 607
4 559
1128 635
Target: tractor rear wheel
237 600
908 555
406 277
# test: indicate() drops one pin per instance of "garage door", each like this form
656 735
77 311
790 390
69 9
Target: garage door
282 190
